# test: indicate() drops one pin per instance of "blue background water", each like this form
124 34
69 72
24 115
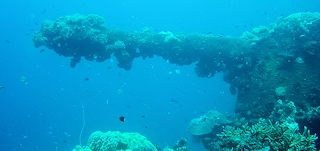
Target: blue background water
45 112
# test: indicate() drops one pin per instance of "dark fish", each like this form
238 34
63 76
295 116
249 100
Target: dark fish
174 100
143 116
86 79
233 90
7 41
209 33
108 67
35 23
121 118
44 11
42 50
2 87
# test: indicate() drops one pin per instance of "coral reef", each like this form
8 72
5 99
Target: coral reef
274 69
114 140
279 132
265 136
286 69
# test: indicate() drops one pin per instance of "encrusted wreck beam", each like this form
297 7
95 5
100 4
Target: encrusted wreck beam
79 36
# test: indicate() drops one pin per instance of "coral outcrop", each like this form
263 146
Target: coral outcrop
115 140
206 123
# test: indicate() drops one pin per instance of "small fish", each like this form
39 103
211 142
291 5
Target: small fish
44 11
35 23
7 41
2 87
23 78
86 79
121 118
174 100
42 50
143 116
108 67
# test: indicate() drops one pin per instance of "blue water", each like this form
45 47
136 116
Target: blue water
47 110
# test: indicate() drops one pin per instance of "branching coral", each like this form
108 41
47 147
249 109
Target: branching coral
265 135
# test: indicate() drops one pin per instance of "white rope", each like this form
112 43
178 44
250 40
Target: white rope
83 124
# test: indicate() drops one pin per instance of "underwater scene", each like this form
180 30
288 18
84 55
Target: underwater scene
167 75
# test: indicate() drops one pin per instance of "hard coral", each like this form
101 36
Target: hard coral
114 140
266 135
206 123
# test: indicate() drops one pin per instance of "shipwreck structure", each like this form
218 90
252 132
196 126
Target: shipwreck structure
271 63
